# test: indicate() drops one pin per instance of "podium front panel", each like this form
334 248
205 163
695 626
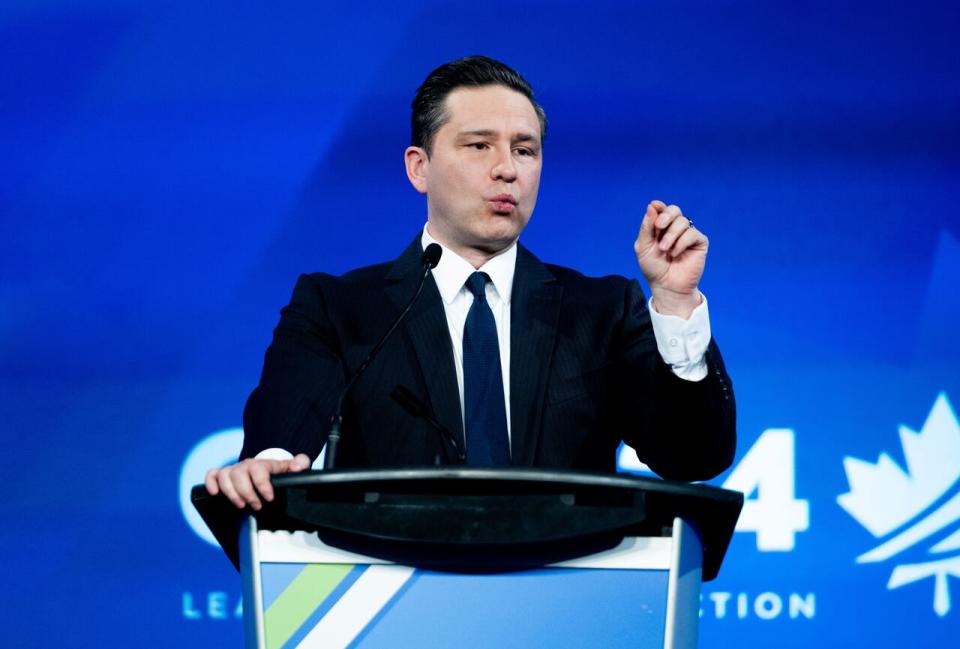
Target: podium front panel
304 593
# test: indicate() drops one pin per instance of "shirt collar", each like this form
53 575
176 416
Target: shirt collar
453 270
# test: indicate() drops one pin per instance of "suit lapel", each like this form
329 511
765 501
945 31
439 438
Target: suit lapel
426 326
534 314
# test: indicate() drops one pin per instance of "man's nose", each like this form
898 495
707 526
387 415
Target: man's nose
504 168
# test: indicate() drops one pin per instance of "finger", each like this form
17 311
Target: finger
690 238
226 486
260 477
210 482
241 482
667 216
659 206
677 227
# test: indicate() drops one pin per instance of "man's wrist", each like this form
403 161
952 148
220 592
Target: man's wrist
682 343
668 302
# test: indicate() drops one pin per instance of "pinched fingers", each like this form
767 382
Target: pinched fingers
678 225
666 215
689 238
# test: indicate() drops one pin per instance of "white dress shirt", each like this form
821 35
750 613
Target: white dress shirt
681 343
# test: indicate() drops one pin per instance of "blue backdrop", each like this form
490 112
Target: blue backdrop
168 169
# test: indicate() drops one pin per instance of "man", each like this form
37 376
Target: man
526 364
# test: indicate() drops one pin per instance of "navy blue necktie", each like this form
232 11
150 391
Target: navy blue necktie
484 412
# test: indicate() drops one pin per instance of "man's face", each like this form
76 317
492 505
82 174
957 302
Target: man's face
483 174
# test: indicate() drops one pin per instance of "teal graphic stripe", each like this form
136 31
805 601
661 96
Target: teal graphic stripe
325 607
298 601
275 577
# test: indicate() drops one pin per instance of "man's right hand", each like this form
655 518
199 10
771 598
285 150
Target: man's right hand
246 482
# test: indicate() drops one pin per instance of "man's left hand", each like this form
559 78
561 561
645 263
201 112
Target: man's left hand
671 254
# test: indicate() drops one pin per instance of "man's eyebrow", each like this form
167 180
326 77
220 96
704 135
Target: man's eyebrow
526 137
486 132
482 132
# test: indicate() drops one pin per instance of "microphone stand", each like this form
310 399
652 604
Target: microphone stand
429 259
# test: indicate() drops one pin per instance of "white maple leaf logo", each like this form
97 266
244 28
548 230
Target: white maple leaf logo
919 504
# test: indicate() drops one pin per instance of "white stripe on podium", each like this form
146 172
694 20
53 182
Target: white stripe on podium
360 604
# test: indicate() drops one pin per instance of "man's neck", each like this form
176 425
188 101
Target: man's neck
476 257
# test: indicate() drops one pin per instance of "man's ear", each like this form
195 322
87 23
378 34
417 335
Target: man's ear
418 163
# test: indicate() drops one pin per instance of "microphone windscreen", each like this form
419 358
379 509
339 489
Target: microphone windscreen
431 256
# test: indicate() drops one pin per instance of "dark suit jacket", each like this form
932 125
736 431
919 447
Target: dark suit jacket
584 374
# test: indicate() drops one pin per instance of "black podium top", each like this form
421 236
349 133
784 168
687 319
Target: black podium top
455 516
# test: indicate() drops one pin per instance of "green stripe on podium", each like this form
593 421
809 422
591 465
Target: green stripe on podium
300 599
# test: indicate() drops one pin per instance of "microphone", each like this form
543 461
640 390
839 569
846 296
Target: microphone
429 260
418 408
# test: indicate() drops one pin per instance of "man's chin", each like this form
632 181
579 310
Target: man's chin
497 240
503 228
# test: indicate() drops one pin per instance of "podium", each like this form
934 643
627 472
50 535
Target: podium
453 556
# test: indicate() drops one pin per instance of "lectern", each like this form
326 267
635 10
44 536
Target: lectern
459 557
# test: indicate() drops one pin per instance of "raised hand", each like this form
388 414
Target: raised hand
672 254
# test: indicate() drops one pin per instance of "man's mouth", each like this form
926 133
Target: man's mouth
503 203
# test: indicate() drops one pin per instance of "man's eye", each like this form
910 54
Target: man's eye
523 151
479 146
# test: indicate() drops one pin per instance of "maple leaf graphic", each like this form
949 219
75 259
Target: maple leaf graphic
884 498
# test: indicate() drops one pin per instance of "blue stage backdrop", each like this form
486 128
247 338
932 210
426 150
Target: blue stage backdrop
168 169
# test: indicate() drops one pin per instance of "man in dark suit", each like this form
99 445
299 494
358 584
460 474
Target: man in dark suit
524 363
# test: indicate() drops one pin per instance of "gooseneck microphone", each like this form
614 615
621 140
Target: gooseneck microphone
429 260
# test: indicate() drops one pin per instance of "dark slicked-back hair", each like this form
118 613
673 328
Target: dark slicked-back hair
429 111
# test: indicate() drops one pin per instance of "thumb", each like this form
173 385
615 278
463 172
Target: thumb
299 463
647 235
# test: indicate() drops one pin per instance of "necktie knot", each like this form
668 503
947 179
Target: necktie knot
476 284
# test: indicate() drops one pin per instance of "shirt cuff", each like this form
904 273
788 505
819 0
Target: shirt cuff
274 454
683 343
